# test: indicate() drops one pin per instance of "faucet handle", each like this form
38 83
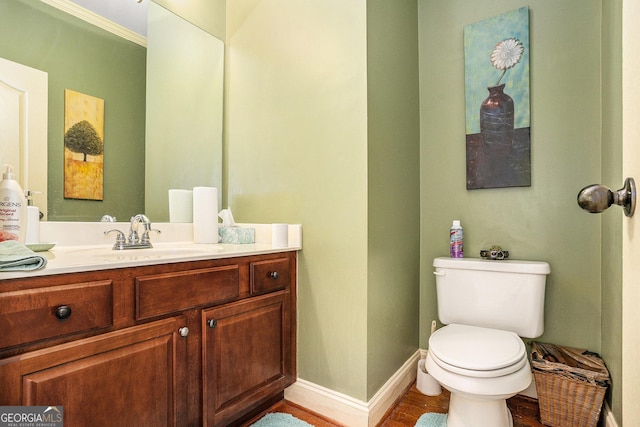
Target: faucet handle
120 239
144 240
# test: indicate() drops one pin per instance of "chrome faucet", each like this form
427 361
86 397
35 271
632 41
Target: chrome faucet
133 228
108 218
134 241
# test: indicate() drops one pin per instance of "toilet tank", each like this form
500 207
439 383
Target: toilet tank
507 295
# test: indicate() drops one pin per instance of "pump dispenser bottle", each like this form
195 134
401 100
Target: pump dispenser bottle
13 208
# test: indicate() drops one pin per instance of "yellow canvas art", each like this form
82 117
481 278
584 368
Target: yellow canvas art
83 146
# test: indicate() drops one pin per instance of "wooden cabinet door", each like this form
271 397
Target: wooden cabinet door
131 377
245 348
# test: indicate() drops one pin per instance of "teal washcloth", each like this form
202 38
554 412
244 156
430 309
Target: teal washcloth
15 256
278 419
432 419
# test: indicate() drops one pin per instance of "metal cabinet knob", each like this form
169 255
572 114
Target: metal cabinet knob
184 331
63 312
212 323
274 275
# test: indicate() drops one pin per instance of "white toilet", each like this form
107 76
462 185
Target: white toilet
479 356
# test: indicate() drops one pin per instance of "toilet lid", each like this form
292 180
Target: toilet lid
475 348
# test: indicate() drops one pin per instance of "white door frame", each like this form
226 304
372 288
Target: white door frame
631 226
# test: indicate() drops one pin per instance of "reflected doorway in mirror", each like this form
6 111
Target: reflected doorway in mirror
23 121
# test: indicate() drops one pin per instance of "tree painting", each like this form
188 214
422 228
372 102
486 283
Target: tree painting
83 138
83 146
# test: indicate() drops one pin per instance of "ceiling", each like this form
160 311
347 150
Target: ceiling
128 13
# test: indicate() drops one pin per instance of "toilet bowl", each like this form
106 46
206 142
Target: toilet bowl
479 355
481 367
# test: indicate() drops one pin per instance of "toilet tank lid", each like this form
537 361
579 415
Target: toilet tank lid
508 266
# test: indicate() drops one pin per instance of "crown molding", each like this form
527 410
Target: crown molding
97 20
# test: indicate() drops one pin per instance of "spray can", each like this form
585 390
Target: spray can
456 240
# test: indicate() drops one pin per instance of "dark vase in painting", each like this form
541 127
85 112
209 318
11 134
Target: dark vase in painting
496 121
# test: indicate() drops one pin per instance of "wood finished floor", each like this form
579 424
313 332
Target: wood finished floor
411 406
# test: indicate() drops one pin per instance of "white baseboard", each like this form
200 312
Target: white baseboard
349 411
384 399
355 413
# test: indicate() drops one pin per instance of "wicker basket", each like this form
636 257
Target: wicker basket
571 384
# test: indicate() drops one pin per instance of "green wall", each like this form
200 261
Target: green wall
323 131
393 169
297 153
611 250
86 59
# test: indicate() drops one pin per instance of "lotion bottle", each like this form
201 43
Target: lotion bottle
13 208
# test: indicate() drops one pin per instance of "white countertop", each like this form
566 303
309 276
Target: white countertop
79 252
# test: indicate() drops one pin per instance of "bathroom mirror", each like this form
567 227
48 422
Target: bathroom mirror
185 69
44 37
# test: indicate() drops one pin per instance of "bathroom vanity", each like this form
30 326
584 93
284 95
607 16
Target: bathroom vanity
181 341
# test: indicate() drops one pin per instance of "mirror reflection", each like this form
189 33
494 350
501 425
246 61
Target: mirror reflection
80 56
185 68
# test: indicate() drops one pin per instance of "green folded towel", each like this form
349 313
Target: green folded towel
15 256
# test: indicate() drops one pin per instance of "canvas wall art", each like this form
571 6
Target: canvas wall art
498 129
83 146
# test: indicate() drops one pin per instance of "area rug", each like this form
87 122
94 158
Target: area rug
432 419
277 419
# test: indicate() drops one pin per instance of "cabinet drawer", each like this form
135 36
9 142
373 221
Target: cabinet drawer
41 313
165 293
270 275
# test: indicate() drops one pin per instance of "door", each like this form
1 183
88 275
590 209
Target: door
244 356
631 226
131 377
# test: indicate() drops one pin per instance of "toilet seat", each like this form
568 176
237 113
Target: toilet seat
477 352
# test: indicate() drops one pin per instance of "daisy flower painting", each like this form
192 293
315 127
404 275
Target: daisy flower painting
506 55
496 60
